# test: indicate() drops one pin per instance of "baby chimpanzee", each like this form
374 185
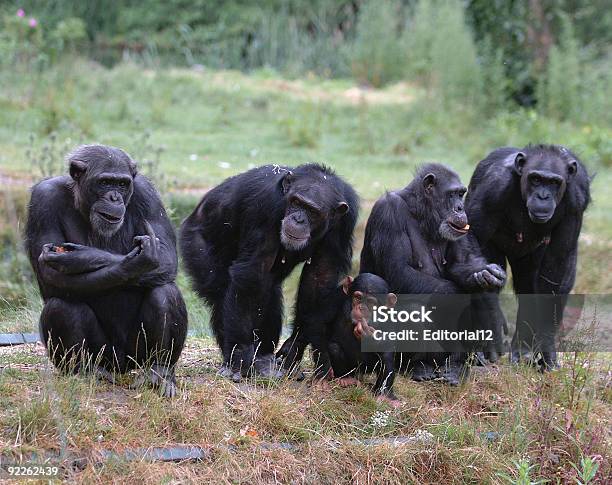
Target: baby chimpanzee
350 325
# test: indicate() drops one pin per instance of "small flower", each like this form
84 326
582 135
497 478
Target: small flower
193 157
32 23
224 165
20 13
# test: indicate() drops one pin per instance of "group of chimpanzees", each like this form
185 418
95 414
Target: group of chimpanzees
104 254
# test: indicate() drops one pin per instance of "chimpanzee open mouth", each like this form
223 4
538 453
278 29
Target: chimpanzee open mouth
459 229
110 218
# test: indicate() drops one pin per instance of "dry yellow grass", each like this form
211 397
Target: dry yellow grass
290 432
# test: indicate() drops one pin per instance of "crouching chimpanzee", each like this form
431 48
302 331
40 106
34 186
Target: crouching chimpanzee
104 254
246 236
415 240
526 206
351 324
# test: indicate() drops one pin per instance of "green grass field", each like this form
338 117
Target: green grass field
191 129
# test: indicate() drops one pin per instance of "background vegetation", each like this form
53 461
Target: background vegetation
197 91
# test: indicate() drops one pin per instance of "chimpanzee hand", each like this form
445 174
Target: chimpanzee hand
490 277
145 256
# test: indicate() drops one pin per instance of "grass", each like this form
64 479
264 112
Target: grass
192 129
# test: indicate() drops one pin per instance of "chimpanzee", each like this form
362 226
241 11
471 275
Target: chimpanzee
104 254
415 240
526 207
246 236
349 326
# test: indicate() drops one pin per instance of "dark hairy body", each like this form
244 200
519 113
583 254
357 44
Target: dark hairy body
104 254
246 236
352 319
416 240
526 207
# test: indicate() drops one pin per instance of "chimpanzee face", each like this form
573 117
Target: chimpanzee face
103 185
363 302
543 181
446 194
312 206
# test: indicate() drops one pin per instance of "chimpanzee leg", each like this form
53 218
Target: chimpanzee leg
161 335
75 339
292 350
267 334
385 376
524 345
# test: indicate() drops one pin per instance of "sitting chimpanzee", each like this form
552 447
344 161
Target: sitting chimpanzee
526 206
246 236
352 321
104 254
414 239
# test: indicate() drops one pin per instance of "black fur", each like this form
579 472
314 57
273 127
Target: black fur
345 349
101 286
542 254
237 260
405 245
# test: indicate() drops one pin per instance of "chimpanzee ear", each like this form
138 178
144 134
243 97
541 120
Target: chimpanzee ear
77 168
341 209
572 168
391 299
133 168
519 163
429 181
358 295
287 180
346 285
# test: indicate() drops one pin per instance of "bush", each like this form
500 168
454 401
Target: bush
376 55
442 53
559 89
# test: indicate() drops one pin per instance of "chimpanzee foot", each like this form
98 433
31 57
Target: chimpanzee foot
522 356
266 366
492 356
104 375
347 381
390 399
423 371
454 374
293 371
159 377
548 362
225 371
480 359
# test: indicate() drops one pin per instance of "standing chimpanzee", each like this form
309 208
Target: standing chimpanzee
414 239
349 326
104 254
526 206
246 236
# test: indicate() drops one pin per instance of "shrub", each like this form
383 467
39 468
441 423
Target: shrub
376 55
442 53
559 87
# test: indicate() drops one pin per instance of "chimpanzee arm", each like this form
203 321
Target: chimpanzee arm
153 212
77 259
558 267
468 269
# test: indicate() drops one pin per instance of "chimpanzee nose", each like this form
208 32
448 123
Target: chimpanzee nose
459 208
543 195
299 218
114 197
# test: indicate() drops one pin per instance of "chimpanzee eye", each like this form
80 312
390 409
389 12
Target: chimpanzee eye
536 180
